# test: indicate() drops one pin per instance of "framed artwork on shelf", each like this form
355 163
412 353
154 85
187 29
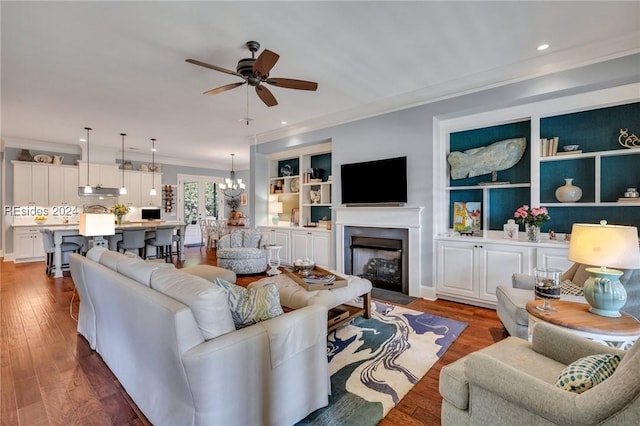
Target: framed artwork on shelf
295 217
244 199
466 217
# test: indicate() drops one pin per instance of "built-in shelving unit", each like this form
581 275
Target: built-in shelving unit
468 268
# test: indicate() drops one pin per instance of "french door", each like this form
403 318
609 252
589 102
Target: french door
199 197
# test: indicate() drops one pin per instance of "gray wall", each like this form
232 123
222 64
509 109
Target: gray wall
410 132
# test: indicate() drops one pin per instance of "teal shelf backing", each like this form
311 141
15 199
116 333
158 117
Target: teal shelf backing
322 161
562 218
293 162
618 174
553 174
594 130
503 203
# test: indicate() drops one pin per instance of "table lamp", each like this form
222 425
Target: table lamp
610 246
97 225
275 209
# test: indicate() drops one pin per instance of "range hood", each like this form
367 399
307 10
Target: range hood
99 191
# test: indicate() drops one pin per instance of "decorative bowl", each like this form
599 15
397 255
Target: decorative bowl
304 268
571 147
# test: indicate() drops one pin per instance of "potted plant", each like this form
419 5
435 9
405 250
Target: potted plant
234 203
119 210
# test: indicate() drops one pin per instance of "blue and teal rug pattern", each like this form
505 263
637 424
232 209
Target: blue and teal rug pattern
375 362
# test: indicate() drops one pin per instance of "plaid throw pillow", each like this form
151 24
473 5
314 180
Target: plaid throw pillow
569 288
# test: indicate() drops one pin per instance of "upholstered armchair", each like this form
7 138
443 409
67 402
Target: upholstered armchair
512 300
242 252
514 382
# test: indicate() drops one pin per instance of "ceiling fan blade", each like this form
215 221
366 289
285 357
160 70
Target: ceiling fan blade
293 84
213 67
265 62
223 88
266 96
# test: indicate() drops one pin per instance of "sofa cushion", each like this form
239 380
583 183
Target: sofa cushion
207 301
210 273
110 259
585 373
95 253
249 306
139 270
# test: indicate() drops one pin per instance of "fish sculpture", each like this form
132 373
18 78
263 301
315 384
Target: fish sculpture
498 156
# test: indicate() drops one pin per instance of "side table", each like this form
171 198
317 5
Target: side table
274 259
618 333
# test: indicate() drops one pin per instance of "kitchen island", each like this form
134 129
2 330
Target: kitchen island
63 230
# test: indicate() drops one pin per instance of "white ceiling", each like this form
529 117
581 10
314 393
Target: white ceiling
120 66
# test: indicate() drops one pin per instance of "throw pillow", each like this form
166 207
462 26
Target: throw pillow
249 306
569 288
585 373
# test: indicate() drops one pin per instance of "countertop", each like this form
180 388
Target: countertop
75 226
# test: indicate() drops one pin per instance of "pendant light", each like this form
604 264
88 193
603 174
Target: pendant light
123 189
87 188
152 192
231 187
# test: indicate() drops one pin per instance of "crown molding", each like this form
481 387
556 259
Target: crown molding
553 62
42 145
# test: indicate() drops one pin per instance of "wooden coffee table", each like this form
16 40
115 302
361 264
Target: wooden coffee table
575 317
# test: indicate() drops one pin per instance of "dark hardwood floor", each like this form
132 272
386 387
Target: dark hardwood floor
51 376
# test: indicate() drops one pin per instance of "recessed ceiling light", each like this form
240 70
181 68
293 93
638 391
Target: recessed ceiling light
543 46
283 122
83 140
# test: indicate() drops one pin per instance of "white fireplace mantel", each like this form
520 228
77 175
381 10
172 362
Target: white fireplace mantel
383 217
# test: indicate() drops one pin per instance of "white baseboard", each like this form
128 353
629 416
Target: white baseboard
428 293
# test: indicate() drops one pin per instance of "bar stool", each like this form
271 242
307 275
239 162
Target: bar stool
48 243
133 238
163 242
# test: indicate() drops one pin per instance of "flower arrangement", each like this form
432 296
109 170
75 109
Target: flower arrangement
120 210
40 219
532 216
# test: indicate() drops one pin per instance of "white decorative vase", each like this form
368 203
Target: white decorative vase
568 193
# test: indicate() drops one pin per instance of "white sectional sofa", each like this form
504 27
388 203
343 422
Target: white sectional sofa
180 357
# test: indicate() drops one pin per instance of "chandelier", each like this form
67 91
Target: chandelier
231 187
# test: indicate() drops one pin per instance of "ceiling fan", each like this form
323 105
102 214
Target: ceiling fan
255 71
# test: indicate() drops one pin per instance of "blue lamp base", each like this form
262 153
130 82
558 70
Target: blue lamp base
275 219
604 292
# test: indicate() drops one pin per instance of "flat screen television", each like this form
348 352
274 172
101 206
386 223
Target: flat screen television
150 214
375 182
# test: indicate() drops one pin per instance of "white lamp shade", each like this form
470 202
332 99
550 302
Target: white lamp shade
275 208
612 246
97 224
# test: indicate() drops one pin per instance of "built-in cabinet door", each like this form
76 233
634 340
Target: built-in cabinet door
279 237
132 183
109 176
312 245
28 244
553 258
40 185
497 263
22 184
63 185
31 184
456 268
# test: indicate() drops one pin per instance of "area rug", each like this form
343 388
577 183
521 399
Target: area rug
374 363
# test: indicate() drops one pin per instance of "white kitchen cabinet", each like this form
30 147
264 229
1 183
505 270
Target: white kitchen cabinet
280 237
132 183
314 245
30 184
63 185
471 271
28 244
104 175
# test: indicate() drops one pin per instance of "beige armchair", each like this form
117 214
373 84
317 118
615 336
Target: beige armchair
512 300
513 382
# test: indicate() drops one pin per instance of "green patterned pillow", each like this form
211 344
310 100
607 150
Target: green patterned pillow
585 373
249 306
